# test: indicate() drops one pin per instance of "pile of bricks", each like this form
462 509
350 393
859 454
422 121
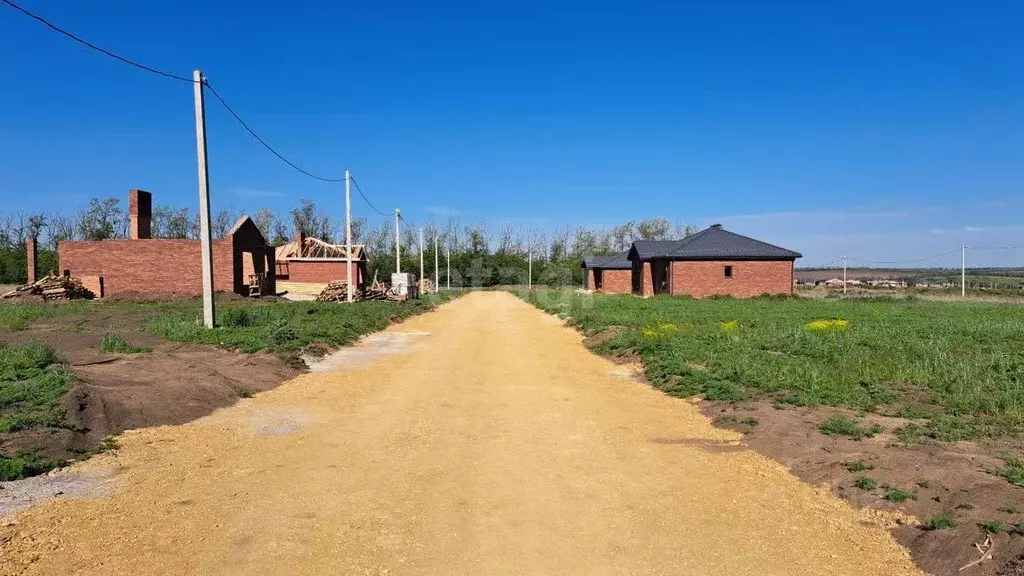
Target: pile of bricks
53 288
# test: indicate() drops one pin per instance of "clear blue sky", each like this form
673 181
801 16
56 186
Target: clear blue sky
885 130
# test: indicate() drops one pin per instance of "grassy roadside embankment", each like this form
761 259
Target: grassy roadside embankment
958 368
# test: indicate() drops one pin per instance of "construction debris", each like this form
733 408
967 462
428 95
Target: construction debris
338 292
985 549
53 288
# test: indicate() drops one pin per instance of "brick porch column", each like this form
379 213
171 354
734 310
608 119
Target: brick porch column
32 258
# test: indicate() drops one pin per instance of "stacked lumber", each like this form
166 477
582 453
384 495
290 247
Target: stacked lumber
337 292
53 288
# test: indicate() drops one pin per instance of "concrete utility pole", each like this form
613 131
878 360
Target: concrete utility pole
963 271
421 255
844 274
398 246
437 261
348 230
529 273
204 200
448 274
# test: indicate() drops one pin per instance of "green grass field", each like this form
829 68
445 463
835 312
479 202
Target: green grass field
251 326
957 367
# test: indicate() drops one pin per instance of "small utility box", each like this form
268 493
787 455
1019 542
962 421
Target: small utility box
405 285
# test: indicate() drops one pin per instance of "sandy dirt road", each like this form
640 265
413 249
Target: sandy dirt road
496 444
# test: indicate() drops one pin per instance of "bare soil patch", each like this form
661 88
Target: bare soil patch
173 384
945 478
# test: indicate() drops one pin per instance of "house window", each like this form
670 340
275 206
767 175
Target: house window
728 272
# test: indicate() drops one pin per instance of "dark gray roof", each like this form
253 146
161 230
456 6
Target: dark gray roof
619 261
652 248
714 243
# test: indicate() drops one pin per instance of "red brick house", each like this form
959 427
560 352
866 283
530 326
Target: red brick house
147 265
712 261
608 274
315 261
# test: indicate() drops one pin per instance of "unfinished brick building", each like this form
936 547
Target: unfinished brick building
608 274
311 260
712 261
142 264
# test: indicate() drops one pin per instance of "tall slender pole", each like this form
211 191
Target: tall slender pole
421 255
348 231
437 267
844 274
204 201
529 273
963 271
448 273
398 246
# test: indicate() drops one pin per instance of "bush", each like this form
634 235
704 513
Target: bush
1013 472
116 343
236 318
839 425
865 483
940 522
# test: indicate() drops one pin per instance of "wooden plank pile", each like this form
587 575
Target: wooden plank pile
337 292
52 288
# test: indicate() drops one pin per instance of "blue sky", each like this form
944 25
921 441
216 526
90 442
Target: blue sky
881 130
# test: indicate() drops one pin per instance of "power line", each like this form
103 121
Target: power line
957 249
92 46
993 247
367 200
257 136
152 70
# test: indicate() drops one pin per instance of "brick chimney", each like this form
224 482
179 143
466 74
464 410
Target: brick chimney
300 244
32 258
140 215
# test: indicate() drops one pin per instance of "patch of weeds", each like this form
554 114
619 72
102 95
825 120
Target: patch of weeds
32 381
865 483
77 325
893 494
1009 509
1013 472
840 425
857 465
730 422
107 444
116 344
245 393
947 428
940 522
993 526
25 465
910 434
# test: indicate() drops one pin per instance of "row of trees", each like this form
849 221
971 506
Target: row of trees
479 255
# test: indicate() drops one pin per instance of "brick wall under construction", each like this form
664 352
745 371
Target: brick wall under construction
148 266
